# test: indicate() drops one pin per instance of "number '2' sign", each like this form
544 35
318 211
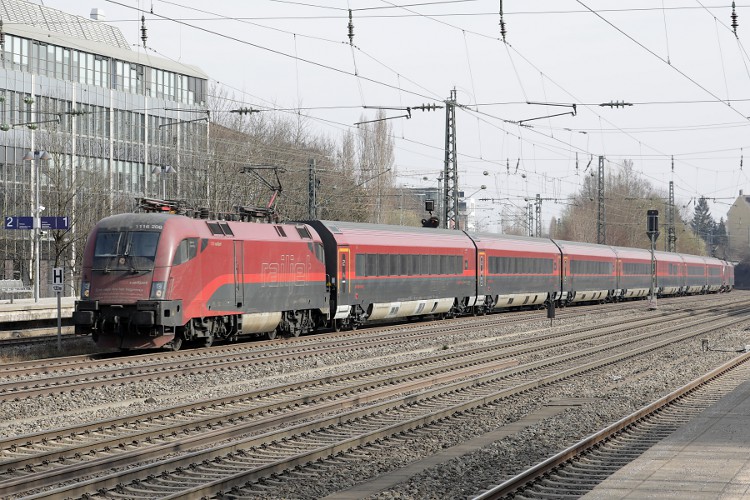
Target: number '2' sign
19 222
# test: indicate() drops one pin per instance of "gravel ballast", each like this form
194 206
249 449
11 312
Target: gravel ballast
607 395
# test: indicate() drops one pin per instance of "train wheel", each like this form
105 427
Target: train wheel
208 341
336 325
176 343
271 335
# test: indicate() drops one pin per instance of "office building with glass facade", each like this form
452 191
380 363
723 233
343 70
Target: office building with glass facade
116 122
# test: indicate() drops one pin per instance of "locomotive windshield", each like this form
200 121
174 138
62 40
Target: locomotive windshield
125 250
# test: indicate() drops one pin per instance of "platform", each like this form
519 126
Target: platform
706 458
22 310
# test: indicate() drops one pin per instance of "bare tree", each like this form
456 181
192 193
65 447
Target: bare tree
513 220
71 185
274 151
376 165
627 197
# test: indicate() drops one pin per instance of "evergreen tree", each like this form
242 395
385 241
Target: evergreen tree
702 223
721 240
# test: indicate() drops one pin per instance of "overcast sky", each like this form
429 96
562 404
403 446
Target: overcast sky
678 63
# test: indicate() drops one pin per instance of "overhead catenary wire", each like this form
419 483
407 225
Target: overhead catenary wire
481 155
480 13
721 58
688 77
666 32
282 53
428 16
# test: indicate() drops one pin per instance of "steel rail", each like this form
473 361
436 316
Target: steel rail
430 366
457 360
55 384
523 479
306 428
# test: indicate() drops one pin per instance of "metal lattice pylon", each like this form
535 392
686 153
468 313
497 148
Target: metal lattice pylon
312 195
450 171
601 236
671 236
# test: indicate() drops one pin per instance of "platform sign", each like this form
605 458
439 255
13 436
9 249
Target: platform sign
58 284
54 223
13 222
58 279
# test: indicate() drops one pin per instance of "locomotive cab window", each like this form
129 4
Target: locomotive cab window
125 251
107 244
187 249
141 244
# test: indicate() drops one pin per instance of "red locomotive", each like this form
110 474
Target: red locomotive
162 280
156 279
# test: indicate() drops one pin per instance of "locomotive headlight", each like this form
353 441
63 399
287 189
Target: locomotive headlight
85 289
157 290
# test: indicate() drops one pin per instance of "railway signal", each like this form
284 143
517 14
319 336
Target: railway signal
652 230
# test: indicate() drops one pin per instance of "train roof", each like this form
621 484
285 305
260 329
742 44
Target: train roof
585 249
514 242
632 253
129 220
713 261
692 259
662 256
340 227
354 233
184 226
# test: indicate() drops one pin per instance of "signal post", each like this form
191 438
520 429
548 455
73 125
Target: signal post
652 231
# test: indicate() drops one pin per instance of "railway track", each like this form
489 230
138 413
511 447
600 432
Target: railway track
41 338
86 362
231 443
30 334
578 469
34 379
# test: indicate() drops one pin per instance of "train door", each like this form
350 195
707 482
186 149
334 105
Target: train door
482 271
684 277
555 279
565 272
344 271
239 266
